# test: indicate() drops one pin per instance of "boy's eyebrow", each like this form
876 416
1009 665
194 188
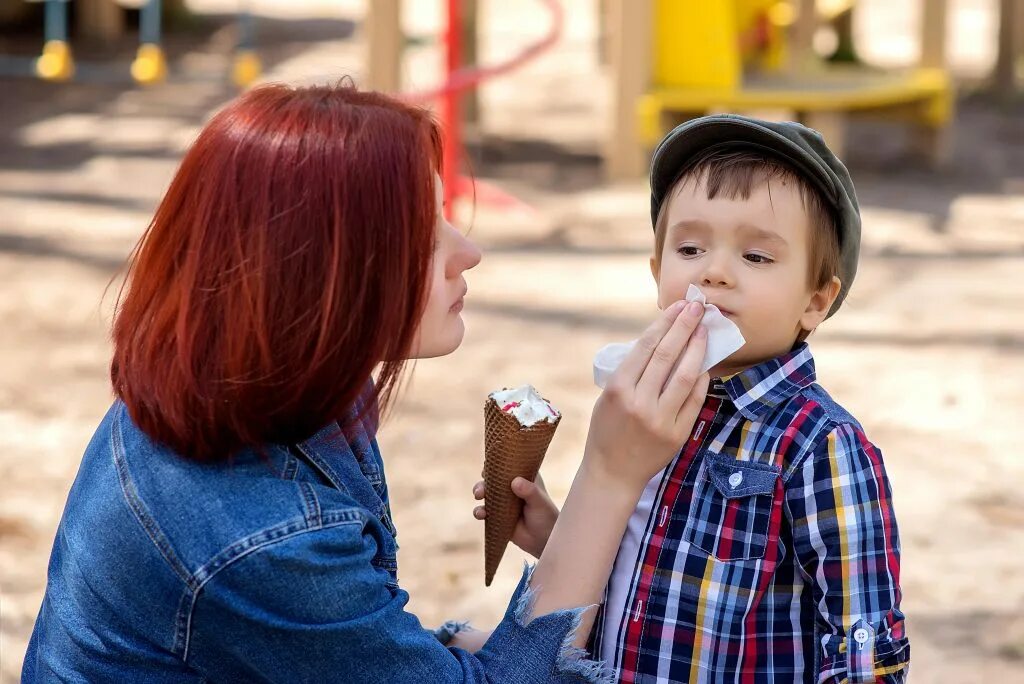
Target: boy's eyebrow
754 231
763 234
689 224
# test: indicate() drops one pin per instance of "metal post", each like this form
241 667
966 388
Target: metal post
451 117
56 20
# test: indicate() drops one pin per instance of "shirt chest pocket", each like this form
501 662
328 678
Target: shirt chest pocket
732 507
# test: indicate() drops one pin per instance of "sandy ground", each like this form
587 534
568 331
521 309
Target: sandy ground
928 352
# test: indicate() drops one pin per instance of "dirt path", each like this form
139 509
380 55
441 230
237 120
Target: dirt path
928 353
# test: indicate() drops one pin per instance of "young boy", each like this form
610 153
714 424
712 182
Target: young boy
767 551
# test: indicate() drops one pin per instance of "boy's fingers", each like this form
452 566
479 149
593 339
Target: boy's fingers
479 512
667 354
522 487
636 360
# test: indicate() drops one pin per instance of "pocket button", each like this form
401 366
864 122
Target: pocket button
735 480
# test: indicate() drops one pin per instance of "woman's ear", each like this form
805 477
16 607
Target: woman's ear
820 304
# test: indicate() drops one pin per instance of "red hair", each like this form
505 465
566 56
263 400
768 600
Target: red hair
288 260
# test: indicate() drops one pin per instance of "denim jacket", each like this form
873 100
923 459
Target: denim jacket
278 567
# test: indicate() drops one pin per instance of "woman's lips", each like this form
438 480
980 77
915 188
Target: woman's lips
461 301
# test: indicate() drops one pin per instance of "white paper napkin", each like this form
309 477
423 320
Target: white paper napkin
724 339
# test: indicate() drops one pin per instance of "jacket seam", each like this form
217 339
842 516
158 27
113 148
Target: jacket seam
311 505
272 535
135 505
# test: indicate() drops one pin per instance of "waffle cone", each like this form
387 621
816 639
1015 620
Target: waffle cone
510 451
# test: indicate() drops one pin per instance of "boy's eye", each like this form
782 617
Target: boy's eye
689 250
758 258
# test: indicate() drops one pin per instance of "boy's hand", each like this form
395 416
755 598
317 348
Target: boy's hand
539 513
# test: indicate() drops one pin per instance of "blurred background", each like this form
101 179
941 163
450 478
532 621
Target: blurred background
923 98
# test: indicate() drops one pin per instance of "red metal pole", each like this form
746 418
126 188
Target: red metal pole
451 116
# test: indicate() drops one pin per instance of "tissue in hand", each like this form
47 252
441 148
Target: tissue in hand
724 339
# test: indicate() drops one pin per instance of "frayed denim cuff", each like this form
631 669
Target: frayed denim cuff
524 643
446 632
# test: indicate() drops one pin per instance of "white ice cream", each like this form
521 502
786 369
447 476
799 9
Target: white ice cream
525 404
724 338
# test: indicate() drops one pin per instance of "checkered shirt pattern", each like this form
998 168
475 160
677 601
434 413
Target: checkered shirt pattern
771 553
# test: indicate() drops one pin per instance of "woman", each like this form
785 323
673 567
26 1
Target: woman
230 519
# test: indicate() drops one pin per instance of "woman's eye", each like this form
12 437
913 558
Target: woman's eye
758 259
689 250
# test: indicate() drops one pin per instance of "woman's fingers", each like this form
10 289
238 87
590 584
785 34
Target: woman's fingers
690 409
632 367
479 493
680 384
480 513
667 354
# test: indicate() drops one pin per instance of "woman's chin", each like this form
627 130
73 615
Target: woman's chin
444 344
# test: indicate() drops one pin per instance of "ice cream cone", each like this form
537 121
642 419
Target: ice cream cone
510 451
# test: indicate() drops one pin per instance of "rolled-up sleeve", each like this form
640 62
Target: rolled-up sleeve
847 544
311 607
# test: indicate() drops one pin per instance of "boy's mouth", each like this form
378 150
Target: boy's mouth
725 312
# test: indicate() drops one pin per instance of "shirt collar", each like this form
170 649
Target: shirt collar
761 388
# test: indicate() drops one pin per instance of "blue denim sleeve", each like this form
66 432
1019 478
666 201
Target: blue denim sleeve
311 607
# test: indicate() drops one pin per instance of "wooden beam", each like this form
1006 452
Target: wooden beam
471 55
630 22
99 20
1011 47
801 36
384 41
933 33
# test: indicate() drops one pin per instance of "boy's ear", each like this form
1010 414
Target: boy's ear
820 304
656 270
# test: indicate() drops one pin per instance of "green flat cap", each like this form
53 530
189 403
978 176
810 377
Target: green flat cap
794 144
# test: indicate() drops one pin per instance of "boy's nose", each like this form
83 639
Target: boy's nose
716 275
714 280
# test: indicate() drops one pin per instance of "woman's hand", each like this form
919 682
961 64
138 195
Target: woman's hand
538 517
639 423
650 404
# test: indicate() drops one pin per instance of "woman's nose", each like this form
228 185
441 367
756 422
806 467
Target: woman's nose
467 255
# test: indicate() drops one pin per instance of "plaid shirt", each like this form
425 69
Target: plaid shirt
770 553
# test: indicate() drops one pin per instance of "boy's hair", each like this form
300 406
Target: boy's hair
735 174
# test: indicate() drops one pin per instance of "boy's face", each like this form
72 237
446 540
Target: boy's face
750 258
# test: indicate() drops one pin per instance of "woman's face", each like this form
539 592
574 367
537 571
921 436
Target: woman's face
441 328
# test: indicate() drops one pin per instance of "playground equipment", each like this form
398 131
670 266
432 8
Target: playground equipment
384 41
744 55
57 63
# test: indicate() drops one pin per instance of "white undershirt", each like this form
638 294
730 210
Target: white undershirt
626 562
